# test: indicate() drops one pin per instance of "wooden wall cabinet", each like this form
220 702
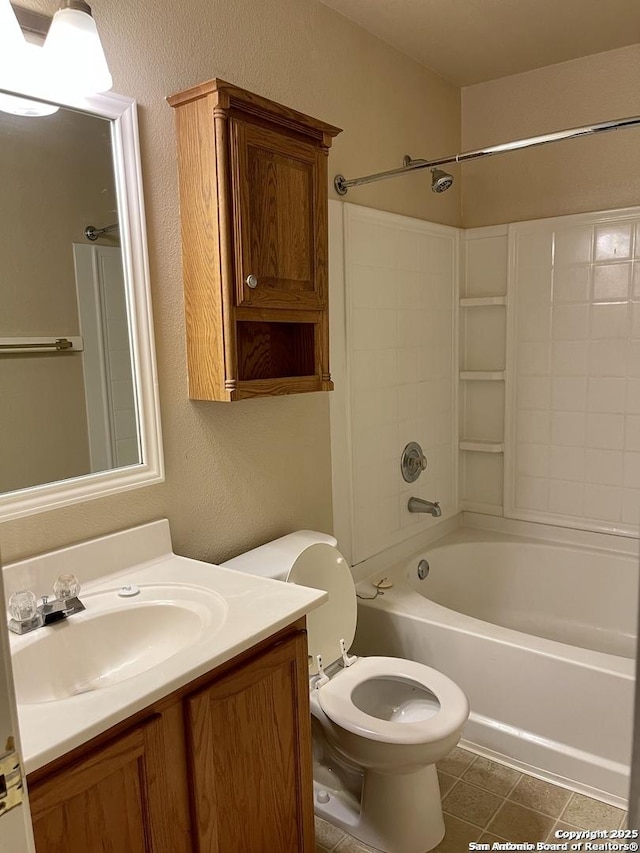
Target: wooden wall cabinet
222 766
253 203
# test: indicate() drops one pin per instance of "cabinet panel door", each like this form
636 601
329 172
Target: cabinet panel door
130 795
280 218
250 744
99 804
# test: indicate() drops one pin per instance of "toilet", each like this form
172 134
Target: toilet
379 723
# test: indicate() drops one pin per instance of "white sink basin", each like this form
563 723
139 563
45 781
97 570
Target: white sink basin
113 640
80 677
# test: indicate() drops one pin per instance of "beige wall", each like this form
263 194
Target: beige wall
56 176
240 474
596 173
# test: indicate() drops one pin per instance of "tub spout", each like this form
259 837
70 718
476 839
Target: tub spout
418 505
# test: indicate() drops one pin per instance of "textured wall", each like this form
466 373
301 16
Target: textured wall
597 173
240 474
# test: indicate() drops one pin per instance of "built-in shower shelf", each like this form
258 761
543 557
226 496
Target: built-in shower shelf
482 375
482 446
481 301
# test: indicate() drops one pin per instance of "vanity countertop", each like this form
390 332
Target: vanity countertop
233 612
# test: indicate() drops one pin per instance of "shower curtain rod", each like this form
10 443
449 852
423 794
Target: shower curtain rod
342 184
92 233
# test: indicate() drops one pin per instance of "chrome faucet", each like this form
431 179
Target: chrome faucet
27 615
418 505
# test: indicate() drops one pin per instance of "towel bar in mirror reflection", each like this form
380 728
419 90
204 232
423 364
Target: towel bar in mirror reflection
13 346
77 375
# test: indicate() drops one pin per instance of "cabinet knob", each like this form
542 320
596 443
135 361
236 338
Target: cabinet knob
251 281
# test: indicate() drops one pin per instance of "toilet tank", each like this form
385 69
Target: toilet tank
274 559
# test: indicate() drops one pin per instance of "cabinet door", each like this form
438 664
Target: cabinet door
250 744
97 804
280 218
116 799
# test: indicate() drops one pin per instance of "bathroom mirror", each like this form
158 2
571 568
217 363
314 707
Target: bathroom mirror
77 367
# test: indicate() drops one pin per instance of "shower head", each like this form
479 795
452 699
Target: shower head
441 181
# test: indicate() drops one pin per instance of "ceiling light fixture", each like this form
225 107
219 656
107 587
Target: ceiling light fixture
18 63
11 38
70 64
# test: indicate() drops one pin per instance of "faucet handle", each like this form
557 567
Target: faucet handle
66 587
23 605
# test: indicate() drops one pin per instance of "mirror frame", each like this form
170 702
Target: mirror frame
121 112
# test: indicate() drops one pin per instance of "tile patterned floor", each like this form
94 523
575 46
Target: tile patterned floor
486 801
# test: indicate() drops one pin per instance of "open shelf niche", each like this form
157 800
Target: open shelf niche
483 327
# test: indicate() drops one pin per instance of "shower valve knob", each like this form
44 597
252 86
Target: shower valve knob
413 462
251 281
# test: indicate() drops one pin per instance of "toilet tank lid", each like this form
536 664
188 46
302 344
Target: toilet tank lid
275 559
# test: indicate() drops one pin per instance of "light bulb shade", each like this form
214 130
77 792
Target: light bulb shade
11 38
20 68
74 53
10 31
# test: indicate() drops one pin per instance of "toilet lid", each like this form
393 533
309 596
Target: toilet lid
323 567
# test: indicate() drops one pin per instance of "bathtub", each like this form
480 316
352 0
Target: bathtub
539 635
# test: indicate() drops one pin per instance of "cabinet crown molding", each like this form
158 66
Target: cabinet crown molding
229 97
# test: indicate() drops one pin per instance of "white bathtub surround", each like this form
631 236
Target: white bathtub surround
548 373
539 635
571 429
394 305
549 317
573 396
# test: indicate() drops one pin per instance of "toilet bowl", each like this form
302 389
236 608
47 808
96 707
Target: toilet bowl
380 724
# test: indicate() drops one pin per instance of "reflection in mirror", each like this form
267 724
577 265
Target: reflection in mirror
69 412
78 385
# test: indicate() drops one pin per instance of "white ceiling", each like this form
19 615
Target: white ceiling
470 41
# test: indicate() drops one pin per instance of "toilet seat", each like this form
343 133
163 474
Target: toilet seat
322 566
335 700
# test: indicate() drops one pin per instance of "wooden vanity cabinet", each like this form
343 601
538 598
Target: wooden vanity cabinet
222 766
253 205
